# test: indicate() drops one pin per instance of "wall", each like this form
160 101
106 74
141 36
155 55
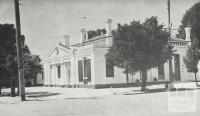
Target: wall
84 53
185 75
59 56
100 69
119 76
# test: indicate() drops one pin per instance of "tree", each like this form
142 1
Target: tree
140 46
192 18
191 60
93 33
8 55
181 32
32 67
8 64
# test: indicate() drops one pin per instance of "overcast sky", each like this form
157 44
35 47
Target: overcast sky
44 22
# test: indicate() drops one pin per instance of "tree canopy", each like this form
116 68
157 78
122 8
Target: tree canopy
140 45
192 19
181 33
93 33
191 58
7 51
137 44
8 55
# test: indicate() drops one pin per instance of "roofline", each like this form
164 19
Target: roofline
90 40
59 45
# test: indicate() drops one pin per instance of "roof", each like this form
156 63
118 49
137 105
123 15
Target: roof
61 46
91 40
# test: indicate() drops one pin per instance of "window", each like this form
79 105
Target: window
109 68
59 74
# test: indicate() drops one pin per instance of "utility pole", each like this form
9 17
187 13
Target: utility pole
169 28
169 17
19 52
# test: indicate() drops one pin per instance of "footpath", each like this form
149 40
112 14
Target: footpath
54 93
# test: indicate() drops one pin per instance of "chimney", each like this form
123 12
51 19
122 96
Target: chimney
187 34
66 38
109 27
84 35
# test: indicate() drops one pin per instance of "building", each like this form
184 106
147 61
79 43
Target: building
84 64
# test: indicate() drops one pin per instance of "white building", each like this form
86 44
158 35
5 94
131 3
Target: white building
84 64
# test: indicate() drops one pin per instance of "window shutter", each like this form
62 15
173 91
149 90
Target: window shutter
80 71
89 70
109 68
59 71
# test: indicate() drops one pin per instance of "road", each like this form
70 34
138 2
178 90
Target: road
123 103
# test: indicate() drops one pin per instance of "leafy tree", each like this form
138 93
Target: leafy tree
8 64
192 18
32 67
97 32
140 46
181 32
8 55
192 58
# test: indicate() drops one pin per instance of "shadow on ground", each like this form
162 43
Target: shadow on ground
85 98
135 92
40 94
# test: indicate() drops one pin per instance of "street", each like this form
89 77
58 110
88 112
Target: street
47 101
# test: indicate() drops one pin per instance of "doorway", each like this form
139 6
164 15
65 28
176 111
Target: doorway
84 70
177 67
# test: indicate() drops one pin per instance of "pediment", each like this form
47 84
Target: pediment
59 51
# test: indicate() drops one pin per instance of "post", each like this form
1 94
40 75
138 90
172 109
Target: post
19 52
169 28
169 16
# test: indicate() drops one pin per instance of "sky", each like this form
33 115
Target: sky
44 22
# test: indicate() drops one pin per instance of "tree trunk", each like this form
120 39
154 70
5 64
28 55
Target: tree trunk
196 79
144 78
12 87
0 89
35 81
127 80
171 71
170 86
